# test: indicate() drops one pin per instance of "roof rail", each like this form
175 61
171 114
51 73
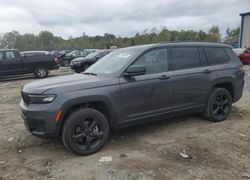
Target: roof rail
186 41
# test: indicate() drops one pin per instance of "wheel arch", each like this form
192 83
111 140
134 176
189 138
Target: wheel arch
226 85
99 105
222 83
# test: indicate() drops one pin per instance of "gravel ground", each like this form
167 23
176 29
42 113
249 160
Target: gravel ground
150 151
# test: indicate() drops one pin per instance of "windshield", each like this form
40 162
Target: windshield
113 62
73 53
92 55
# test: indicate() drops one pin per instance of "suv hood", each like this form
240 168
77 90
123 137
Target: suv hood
68 83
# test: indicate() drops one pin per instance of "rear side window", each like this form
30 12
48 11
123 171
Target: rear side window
216 55
184 58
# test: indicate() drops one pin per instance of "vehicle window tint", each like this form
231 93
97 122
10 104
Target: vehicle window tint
1 56
216 55
203 59
10 55
184 57
231 54
155 61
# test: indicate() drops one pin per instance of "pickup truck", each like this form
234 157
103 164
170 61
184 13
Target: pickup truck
13 63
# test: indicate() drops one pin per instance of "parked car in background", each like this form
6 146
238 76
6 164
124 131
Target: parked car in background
245 56
65 59
13 63
131 86
82 63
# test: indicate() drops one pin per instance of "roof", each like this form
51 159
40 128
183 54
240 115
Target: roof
245 14
149 46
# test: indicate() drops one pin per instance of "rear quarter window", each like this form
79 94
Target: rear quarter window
216 55
232 56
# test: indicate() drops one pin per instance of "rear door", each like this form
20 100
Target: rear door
191 77
11 64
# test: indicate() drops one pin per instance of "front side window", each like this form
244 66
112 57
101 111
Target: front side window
155 61
184 58
215 55
10 55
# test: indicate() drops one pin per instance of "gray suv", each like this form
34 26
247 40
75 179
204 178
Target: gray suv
130 86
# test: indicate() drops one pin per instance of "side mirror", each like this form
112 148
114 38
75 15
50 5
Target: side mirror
135 71
96 58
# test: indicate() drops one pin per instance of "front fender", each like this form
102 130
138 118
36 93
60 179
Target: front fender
110 96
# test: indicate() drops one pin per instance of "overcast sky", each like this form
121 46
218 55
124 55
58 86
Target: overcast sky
121 17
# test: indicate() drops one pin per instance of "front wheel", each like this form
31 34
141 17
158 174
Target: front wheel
85 131
219 105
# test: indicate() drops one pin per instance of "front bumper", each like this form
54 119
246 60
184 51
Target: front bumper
39 119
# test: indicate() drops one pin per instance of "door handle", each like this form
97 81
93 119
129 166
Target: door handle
162 77
207 71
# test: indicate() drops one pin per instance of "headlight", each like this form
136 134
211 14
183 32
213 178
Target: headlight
41 99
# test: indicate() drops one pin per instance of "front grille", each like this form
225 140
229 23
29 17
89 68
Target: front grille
25 97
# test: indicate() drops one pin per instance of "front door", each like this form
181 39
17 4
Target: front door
147 95
11 64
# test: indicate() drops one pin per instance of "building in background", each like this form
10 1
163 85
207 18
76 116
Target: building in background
245 30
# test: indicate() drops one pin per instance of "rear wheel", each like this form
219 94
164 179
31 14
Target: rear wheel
41 72
85 131
219 105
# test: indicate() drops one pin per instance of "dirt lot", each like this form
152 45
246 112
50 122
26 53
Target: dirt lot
151 151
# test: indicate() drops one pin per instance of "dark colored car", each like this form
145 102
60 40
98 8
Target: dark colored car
131 86
65 59
82 63
13 63
245 56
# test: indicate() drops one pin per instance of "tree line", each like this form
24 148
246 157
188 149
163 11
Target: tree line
45 40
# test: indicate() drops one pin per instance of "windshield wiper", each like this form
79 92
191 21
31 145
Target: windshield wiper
90 73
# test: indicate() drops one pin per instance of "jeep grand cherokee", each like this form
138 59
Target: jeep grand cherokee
130 86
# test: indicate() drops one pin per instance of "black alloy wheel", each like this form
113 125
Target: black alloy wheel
85 131
219 105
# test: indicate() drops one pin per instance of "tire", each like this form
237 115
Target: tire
85 131
41 72
219 105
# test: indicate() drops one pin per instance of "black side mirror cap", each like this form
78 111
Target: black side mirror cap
135 70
